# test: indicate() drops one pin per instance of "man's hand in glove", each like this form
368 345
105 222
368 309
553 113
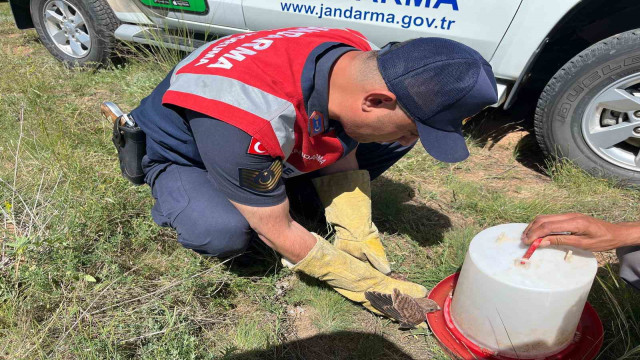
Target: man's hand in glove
316 257
346 197
350 277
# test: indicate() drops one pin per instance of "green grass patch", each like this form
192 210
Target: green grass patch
331 312
85 273
253 333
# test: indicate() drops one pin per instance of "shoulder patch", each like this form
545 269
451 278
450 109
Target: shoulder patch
256 148
261 180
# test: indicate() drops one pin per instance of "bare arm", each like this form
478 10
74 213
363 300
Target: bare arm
586 232
278 230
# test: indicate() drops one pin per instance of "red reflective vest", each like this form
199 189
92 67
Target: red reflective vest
253 82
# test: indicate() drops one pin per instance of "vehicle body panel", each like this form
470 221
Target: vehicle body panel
529 28
127 11
479 24
226 13
197 15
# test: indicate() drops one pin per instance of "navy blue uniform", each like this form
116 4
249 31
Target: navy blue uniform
192 167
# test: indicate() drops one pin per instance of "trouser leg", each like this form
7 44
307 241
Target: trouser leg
204 219
629 258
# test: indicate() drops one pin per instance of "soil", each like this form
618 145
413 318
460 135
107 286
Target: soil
606 257
22 50
396 344
302 321
494 163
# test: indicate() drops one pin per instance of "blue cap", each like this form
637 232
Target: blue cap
438 83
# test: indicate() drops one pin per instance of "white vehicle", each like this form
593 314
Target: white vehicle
581 59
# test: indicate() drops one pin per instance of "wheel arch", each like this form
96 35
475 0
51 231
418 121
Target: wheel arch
587 23
21 14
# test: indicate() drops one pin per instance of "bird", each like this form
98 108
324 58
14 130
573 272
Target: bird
407 311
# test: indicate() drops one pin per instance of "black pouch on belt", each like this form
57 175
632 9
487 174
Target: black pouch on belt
130 141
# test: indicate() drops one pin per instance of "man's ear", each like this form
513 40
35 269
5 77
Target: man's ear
377 100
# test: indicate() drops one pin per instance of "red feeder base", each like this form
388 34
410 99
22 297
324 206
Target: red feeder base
586 345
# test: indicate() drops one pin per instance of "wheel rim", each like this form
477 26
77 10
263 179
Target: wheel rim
67 28
611 124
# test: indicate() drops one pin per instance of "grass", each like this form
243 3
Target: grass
85 273
331 312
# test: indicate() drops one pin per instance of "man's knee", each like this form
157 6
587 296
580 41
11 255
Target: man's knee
215 236
629 258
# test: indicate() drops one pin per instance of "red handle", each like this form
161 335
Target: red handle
534 245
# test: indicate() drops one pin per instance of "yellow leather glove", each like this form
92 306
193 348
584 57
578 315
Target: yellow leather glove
346 197
350 277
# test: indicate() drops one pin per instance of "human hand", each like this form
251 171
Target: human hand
368 249
347 200
585 232
351 277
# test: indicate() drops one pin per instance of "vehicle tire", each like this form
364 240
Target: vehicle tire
589 112
76 32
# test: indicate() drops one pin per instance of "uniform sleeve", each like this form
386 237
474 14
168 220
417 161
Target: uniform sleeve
245 178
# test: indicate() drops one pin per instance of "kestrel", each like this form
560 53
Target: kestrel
409 312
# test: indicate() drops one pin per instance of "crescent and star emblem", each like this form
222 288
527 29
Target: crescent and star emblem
256 148
265 177
261 180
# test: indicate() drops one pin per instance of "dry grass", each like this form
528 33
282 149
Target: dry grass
84 272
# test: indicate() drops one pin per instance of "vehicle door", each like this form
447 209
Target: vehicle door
479 24
198 15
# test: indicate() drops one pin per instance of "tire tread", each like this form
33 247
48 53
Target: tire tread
569 70
103 22
109 23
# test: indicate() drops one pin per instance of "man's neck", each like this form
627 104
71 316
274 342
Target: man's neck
341 82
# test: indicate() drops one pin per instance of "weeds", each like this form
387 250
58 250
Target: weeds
85 273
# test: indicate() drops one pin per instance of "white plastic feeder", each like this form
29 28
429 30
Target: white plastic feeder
529 311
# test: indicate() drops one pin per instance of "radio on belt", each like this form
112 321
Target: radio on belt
129 140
